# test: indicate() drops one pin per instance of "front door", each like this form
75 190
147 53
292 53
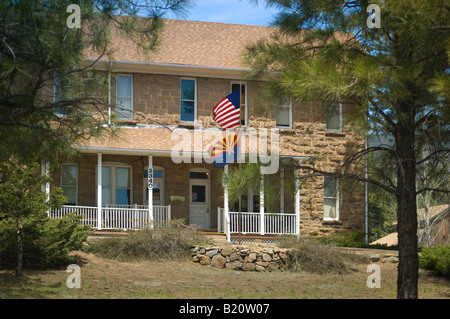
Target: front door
199 203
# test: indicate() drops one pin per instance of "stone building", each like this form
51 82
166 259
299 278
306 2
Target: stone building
159 99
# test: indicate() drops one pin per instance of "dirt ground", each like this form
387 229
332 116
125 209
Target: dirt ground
107 279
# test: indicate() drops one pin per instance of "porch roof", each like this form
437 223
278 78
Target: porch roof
160 141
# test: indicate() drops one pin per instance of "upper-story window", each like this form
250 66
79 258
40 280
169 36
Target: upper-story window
334 116
124 97
283 113
188 101
57 97
244 111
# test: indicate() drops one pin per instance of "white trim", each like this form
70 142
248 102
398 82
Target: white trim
335 198
195 99
207 184
76 186
132 96
340 120
99 191
174 69
289 106
244 83
161 180
113 180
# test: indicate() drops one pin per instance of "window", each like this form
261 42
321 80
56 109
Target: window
334 116
187 100
243 100
331 199
57 97
116 184
69 182
124 97
158 185
283 116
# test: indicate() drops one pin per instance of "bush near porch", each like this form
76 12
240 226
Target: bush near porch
47 242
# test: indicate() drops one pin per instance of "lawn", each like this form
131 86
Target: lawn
110 279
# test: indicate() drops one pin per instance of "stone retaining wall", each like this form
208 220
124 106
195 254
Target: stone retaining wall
234 257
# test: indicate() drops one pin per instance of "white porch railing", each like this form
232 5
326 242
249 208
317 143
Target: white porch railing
274 223
120 217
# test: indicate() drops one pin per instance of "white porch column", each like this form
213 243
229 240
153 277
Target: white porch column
150 190
226 225
297 202
282 190
99 191
261 205
46 187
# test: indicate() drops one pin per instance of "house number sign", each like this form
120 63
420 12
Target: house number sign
150 178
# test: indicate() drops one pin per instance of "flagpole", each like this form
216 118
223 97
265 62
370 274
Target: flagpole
239 160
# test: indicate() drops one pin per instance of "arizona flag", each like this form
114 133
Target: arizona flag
226 151
227 113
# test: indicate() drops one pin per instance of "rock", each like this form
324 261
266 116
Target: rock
244 252
233 265
259 268
212 252
392 259
262 263
226 251
266 257
218 261
248 266
201 250
374 258
204 260
251 257
273 266
234 256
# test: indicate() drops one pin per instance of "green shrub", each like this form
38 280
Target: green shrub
46 242
436 259
170 242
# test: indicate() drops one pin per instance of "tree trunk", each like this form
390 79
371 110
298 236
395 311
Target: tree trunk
408 267
19 248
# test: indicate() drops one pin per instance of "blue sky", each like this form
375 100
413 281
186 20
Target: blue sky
230 11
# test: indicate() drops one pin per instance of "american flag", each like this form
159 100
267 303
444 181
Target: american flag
227 113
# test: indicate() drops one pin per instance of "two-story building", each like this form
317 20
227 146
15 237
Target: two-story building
162 104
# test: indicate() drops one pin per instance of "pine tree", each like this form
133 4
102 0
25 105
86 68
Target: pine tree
396 74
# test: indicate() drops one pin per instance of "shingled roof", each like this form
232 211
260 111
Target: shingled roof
193 43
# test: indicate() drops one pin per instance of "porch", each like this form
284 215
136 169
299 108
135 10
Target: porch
125 217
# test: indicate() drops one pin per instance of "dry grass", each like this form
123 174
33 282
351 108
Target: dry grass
170 242
312 256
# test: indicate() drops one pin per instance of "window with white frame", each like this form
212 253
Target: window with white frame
331 199
69 182
57 97
334 116
243 100
188 103
283 113
116 184
158 185
124 97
